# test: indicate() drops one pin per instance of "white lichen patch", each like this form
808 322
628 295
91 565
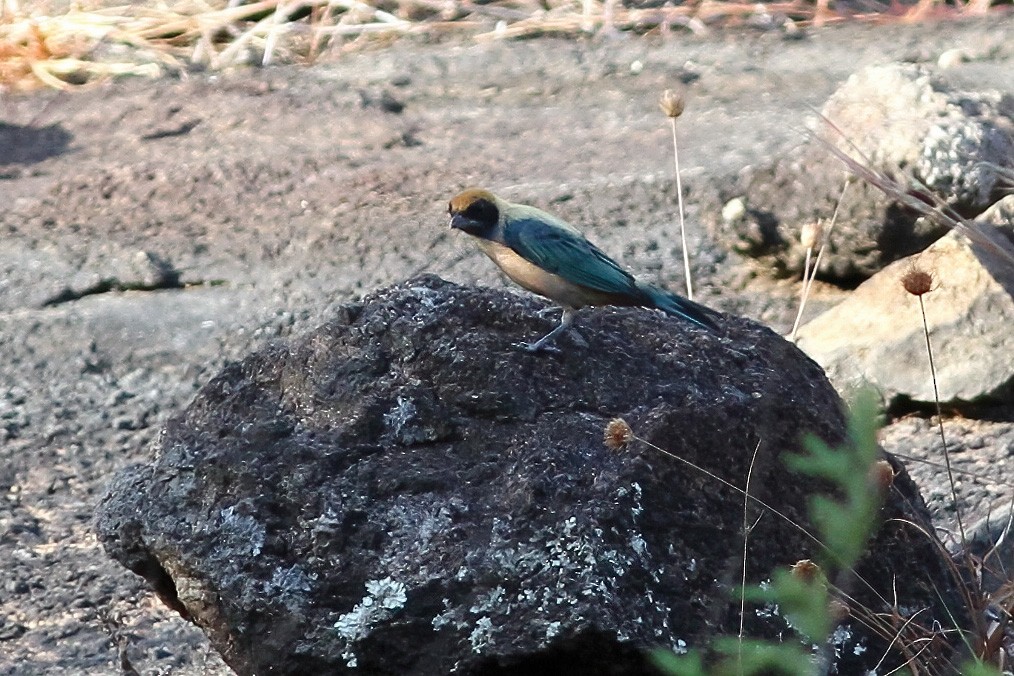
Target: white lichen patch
489 601
482 634
449 618
637 508
418 529
551 576
553 630
403 412
291 587
242 533
769 609
557 576
841 639
383 599
424 307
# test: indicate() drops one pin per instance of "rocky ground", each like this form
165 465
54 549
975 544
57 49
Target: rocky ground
153 231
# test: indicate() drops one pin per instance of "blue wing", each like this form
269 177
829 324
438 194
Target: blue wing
564 252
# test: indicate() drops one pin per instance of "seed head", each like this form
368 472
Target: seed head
917 281
618 434
805 570
882 476
838 610
672 103
811 234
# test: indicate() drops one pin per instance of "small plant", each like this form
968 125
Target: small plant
990 613
919 282
802 592
809 593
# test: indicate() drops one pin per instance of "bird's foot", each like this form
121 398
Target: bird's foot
538 346
543 344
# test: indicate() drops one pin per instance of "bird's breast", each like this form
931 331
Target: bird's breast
543 282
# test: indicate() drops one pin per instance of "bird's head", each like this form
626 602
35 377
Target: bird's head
475 211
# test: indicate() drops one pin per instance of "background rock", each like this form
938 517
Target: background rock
404 491
876 335
979 450
909 123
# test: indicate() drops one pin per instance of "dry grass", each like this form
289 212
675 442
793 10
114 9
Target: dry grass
67 47
923 645
991 611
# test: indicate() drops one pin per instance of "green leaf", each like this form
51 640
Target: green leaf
977 668
753 658
804 604
677 665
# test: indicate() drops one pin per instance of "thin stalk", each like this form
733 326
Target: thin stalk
679 198
746 538
940 423
808 279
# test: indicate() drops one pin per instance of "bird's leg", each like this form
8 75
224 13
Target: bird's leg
544 343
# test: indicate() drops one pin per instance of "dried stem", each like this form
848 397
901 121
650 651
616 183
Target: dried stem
808 278
679 198
746 538
940 422
936 209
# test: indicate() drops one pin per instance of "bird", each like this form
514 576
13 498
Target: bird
547 256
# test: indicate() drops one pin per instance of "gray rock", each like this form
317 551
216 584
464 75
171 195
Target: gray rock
908 124
404 491
981 454
50 276
876 335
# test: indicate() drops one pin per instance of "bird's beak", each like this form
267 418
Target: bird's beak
461 222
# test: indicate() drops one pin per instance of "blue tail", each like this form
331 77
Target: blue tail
677 306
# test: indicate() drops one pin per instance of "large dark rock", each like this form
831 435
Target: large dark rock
402 491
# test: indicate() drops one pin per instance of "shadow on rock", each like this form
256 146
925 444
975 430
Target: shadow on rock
403 491
29 144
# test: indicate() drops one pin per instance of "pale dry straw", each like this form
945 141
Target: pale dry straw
673 104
